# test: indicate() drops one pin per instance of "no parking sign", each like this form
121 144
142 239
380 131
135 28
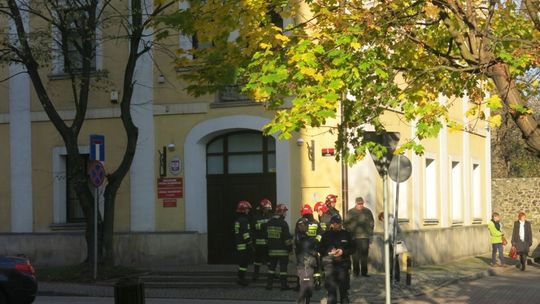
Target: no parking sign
97 173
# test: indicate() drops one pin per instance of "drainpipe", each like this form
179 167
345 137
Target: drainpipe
344 169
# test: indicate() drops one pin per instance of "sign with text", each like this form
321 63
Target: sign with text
170 187
169 203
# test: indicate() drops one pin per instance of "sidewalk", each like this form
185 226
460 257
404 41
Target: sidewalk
363 290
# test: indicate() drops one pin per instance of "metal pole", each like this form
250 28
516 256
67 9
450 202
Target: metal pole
96 201
396 205
396 222
386 244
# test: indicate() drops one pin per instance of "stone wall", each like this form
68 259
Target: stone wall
438 245
512 195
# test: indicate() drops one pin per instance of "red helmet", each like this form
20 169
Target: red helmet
306 210
243 206
330 198
321 206
281 209
265 204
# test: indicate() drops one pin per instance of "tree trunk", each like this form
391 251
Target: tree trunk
511 97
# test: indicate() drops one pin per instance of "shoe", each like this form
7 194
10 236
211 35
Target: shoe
345 300
492 264
366 275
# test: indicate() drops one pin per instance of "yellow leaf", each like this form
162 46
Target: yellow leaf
282 37
265 45
355 45
495 121
494 102
307 71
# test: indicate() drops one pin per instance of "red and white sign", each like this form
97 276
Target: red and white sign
170 187
328 151
169 203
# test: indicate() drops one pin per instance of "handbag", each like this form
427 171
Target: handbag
504 241
513 253
400 248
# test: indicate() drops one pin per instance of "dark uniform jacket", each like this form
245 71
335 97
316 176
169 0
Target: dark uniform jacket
360 223
325 221
279 237
332 211
338 239
307 242
259 229
242 233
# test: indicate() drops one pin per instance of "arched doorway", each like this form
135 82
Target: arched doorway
240 165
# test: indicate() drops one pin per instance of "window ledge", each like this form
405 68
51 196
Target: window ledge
67 226
431 222
477 221
64 75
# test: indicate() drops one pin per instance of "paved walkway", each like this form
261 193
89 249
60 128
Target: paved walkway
425 280
511 286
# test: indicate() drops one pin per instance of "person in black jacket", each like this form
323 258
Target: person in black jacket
259 234
307 236
360 223
324 215
336 248
522 238
279 246
243 240
331 201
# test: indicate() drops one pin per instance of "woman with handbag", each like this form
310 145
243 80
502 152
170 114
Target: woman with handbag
497 239
522 238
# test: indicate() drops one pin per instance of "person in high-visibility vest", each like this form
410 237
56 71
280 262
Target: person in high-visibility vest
279 246
259 234
307 236
243 241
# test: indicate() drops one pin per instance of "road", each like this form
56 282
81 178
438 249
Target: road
94 300
512 286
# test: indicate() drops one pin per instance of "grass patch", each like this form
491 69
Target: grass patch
84 273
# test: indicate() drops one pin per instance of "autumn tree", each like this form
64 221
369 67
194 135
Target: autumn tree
71 26
365 57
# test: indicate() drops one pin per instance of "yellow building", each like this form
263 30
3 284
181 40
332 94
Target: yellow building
182 212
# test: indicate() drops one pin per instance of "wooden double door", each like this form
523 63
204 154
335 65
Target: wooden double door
223 194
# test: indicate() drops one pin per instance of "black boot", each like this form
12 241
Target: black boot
283 281
269 281
256 269
242 278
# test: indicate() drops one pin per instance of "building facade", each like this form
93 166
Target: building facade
197 157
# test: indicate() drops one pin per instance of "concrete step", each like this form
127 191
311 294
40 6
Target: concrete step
203 280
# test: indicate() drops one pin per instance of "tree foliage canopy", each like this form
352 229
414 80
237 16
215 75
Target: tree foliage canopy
365 57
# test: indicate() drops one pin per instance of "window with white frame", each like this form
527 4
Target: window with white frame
456 192
430 192
66 206
68 47
476 192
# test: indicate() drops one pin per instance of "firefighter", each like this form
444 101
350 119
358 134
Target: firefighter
243 240
331 201
307 236
259 234
279 246
335 248
324 216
